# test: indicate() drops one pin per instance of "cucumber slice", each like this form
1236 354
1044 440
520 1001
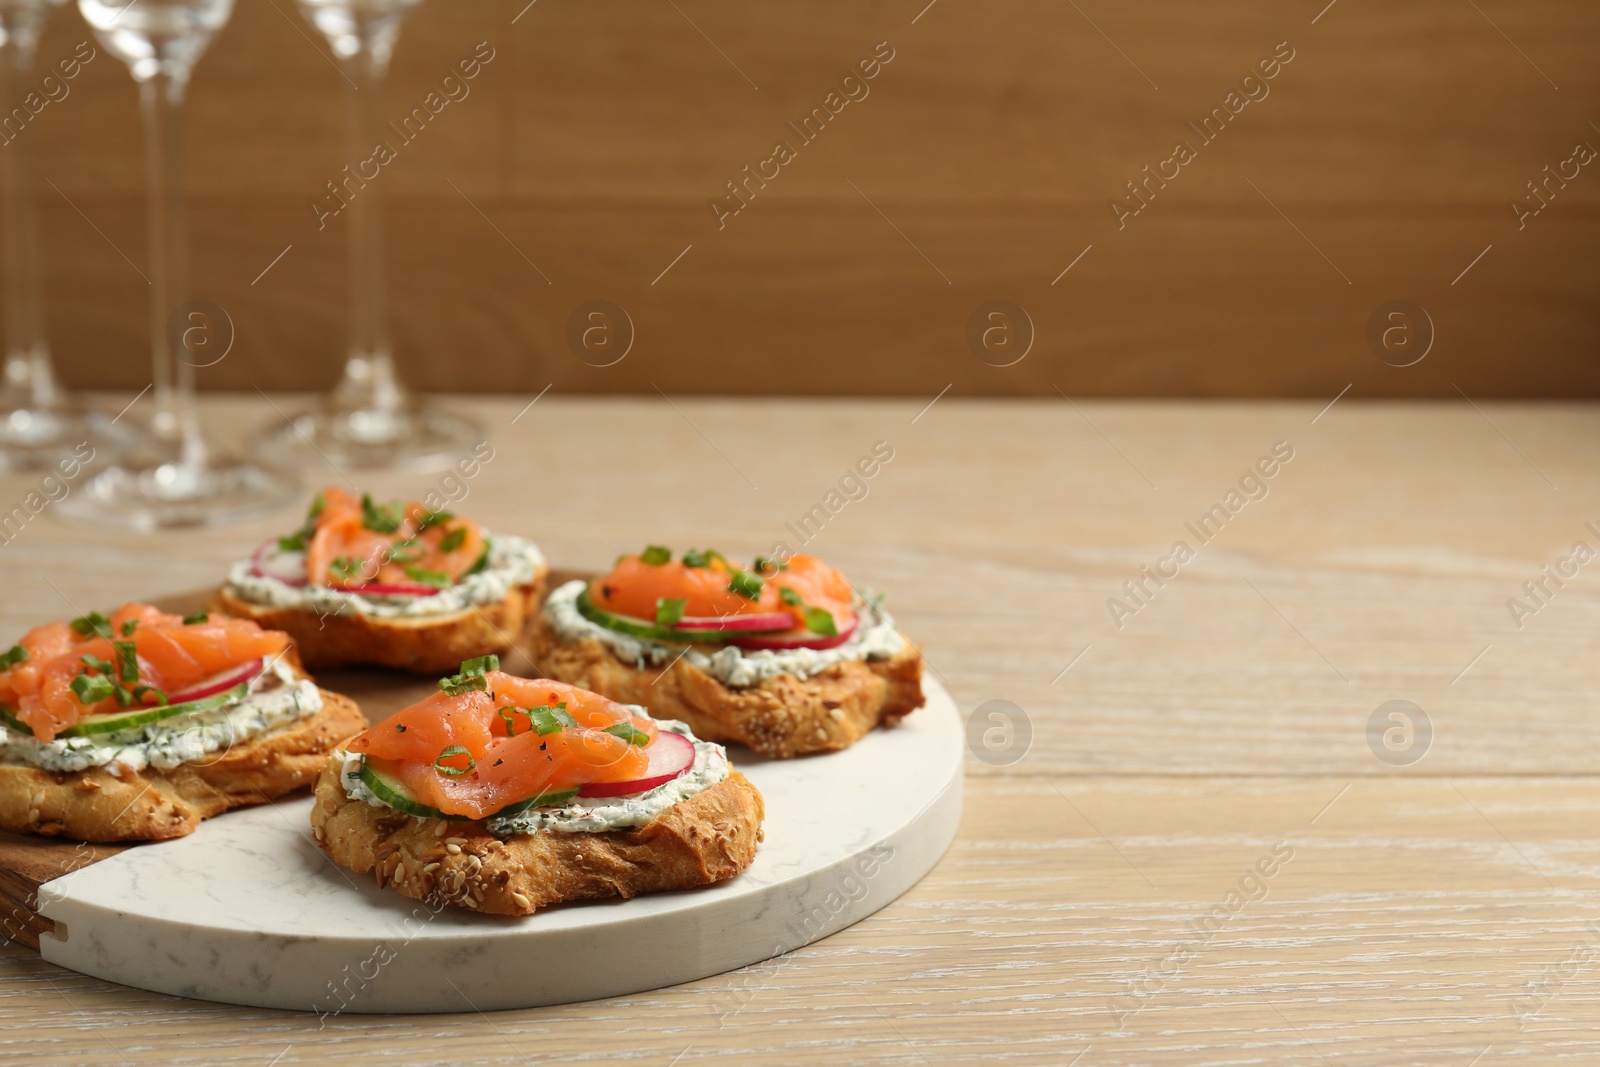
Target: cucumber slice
117 721
389 789
127 720
646 630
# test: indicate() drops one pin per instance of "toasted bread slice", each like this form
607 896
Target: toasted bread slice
707 838
433 644
780 717
154 805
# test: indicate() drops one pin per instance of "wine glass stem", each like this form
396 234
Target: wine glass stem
175 422
28 373
369 377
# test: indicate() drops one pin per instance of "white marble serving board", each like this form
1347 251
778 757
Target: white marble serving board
249 911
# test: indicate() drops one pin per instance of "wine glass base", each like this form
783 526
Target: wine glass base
411 438
41 438
177 493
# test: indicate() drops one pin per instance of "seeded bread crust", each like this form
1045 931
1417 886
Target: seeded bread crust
707 838
155 805
781 717
433 645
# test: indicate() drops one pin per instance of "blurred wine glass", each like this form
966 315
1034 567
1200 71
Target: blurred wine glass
39 421
369 419
174 478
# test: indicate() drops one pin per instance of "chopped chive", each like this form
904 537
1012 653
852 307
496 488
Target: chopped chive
629 733
471 676
195 619
432 518
406 550
696 558
92 624
768 567
670 609
452 752
790 597
745 584
507 714
345 567
141 691
128 626
96 663
127 662
656 555
315 510
380 518
13 656
92 688
820 621
295 542
548 720
437 579
452 539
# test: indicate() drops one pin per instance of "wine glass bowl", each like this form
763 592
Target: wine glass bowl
369 419
174 477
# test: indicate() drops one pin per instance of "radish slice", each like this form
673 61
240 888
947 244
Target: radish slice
670 755
801 640
390 589
771 620
269 561
227 679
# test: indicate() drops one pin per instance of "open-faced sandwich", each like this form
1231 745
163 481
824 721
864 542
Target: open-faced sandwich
782 656
138 726
395 585
505 794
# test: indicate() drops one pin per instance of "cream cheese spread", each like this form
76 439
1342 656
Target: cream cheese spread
278 696
512 561
875 638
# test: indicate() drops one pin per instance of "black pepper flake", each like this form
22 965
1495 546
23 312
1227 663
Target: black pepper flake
606 591
498 762
400 727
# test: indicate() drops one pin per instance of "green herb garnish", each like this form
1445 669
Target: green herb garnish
696 558
92 688
195 619
657 555
14 655
127 662
433 518
437 579
670 609
768 567
745 584
547 719
380 518
141 691
819 621
453 752
507 714
629 733
92 624
790 597
346 567
128 626
407 550
314 512
471 676
295 542
452 539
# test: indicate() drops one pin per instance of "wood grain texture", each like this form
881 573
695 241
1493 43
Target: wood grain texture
982 161
1422 914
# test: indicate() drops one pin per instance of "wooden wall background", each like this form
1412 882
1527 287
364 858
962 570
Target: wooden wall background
592 143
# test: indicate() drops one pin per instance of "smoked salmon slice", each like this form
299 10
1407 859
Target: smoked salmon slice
168 655
351 541
710 586
471 752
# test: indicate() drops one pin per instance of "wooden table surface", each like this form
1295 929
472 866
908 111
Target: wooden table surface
1197 858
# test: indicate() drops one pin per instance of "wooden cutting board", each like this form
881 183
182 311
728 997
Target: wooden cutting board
28 862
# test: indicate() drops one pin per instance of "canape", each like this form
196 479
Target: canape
504 795
140 725
391 584
783 656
